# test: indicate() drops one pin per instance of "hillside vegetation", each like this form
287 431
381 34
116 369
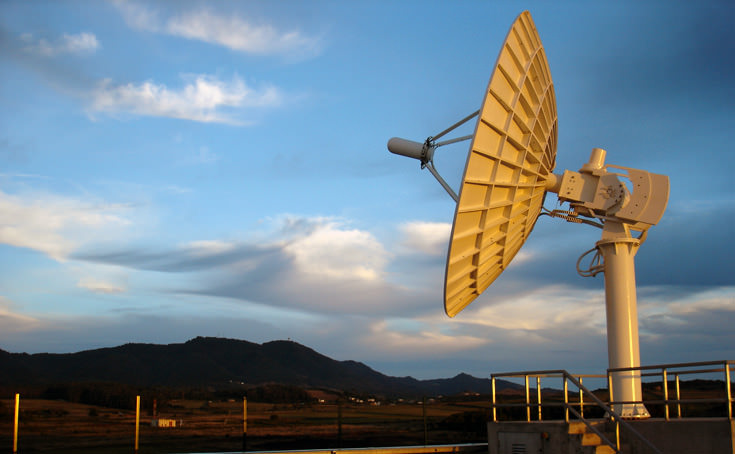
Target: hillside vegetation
221 364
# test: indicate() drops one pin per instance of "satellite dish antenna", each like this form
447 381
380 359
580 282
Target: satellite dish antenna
509 171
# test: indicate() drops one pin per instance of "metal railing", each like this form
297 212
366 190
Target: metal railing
567 405
666 371
576 405
537 406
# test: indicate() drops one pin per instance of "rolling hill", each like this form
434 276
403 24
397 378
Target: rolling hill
206 361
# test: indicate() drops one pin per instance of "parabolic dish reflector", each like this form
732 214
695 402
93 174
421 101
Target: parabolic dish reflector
513 152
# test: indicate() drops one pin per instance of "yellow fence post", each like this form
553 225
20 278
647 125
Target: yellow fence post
137 422
538 395
666 393
15 426
581 400
528 402
495 414
728 390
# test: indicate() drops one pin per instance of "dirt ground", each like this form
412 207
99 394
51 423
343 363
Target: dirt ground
203 426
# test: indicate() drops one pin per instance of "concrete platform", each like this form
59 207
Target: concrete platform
681 436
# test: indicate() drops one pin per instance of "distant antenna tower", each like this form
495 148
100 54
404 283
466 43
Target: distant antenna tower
509 170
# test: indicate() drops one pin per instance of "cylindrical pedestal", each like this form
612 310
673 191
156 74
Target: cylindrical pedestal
622 326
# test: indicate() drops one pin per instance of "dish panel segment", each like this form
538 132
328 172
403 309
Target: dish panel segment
513 151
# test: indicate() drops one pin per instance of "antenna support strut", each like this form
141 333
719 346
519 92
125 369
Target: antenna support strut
424 152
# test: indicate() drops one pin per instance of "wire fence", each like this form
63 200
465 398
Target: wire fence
190 425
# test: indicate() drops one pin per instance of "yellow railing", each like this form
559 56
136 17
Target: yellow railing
672 399
568 407
537 405
585 397
666 371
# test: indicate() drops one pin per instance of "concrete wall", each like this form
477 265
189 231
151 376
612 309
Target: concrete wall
552 437
701 436
689 436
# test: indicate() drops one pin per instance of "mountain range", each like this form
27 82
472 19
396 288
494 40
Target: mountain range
207 361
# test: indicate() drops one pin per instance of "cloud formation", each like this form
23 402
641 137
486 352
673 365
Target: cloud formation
84 43
315 264
430 238
203 98
328 279
55 225
230 31
240 35
13 322
97 286
331 251
422 338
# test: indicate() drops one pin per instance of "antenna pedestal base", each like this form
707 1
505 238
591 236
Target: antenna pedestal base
631 411
626 394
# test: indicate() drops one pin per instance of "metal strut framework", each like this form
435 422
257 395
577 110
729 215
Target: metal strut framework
424 152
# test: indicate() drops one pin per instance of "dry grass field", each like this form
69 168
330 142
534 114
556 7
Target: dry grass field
60 427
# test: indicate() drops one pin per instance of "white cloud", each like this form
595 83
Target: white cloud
138 16
225 30
13 322
426 339
78 44
328 250
98 286
541 309
430 238
661 315
53 224
238 34
317 265
202 99
710 302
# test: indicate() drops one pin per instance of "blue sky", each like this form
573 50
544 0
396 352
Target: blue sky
179 169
